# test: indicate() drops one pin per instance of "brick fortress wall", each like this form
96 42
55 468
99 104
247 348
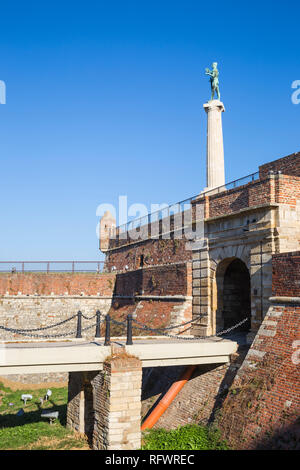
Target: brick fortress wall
262 408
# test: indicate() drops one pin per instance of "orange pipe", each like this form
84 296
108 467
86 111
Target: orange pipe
167 398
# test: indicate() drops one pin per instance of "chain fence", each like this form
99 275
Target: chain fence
128 326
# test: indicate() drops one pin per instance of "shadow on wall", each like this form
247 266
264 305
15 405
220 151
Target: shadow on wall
287 438
199 400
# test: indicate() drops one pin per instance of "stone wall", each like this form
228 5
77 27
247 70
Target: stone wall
23 312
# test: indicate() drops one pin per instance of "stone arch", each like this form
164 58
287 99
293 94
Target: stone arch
219 264
233 294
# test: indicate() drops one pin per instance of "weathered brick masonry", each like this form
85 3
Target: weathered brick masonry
169 280
57 284
289 165
263 405
147 253
286 274
160 296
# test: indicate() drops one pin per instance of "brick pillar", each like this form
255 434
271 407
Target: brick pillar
117 403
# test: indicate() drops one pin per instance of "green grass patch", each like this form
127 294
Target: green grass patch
31 431
190 437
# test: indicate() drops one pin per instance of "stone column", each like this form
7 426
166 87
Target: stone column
215 173
117 403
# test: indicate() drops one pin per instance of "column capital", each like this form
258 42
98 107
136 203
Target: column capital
214 104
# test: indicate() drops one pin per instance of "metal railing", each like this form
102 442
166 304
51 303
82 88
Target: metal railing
51 266
184 205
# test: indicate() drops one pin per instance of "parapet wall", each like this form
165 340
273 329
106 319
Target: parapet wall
289 165
57 284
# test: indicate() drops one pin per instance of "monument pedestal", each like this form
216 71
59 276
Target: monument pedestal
215 172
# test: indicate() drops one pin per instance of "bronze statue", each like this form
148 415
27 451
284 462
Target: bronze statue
214 80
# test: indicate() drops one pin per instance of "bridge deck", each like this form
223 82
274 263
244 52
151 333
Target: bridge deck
80 355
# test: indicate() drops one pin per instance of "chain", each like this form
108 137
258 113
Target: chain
89 318
198 337
142 327
232 327
58 335
169 327
118 322
15 330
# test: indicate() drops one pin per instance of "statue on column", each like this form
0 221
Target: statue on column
214 80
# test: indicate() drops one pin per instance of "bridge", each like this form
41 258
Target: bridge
105 374
81 355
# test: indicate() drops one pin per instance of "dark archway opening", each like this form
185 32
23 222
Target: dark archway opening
236 296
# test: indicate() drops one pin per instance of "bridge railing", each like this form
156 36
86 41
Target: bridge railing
51 266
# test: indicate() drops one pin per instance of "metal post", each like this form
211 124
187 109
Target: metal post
107 330
98 321
129 329
79 318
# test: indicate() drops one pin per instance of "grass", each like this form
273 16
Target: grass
189 437
30 431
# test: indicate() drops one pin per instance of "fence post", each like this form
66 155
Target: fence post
129 329
79 318
98 321
107 330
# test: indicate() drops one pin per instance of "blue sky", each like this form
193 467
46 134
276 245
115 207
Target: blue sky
106 99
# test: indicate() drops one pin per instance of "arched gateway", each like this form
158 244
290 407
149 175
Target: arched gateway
233 299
